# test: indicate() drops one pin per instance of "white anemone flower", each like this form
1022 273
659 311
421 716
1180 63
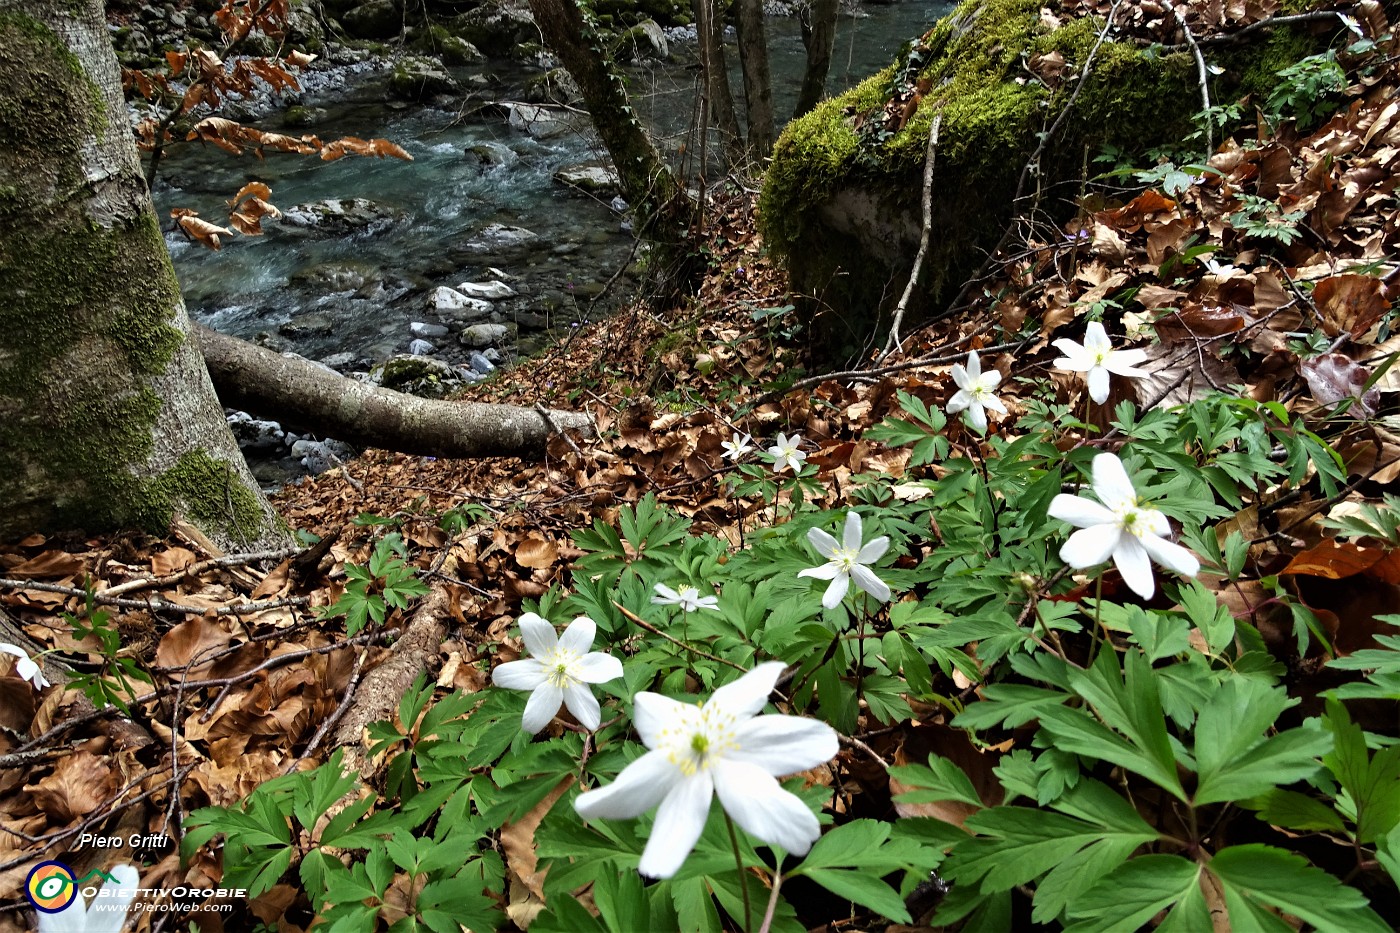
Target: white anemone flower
787 452
1098 358
848 561
1118 526
106 913
974 393
26 667
735 449
558 672
688 598
722 748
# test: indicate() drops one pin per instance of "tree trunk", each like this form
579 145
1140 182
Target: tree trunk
709 31
819 36
666 215
256 379
107 416
758 83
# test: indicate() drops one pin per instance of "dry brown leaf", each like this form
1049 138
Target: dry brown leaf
171 560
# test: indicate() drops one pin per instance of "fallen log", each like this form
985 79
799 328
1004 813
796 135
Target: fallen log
290 388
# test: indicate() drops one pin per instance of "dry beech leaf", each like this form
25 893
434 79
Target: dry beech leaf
353 145
193 641
171 560
1349 304
536 552
47 564
1333 377
1337 560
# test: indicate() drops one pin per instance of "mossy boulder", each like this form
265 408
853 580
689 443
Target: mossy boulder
377 19
841 203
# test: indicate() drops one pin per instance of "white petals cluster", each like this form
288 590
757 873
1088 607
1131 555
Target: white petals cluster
1118 526
849 560
736 449
721 748
558 672
106 913
975 393
688 598
1097 358
787 452
27 667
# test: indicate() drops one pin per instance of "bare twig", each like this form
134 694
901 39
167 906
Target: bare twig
691 648
892 343
193 570
1203 76
155 605
335 717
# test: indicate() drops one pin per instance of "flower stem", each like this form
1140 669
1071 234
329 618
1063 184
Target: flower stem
739 861
772 898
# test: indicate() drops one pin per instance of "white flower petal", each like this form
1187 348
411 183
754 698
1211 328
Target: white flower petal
583 704
748 695
977 417
837 590
665 596
865 578
824 572
760 805
1111 483
538 635
1096 338
874 550
1172 556
30 670
994 403
1134 566
960 400
1124 362
6 648
642 785
974 366
783 745
1080 512
525 674
1154 521
1091 546
851 536
1075 358
1098 384
991 379
679 821
597 668
542 707
961 379
651 713
578 637
824 543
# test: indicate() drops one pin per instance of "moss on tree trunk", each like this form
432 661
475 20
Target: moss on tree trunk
107 416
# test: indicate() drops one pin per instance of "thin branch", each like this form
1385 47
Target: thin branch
1203 76
225 562
893 342
691 648
155 605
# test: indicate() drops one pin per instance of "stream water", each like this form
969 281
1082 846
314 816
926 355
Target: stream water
352 297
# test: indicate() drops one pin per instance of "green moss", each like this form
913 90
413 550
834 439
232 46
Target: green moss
38 64
840 163
211 492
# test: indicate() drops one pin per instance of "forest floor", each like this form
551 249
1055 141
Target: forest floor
247 680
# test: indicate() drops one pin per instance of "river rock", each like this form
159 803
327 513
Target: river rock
340 216
485 335
377 19
490 154
345 359
591 177
499 237
418 78
419 347
320 456
497 27
415 374
255 435
450 301
479 363
424 329
644 40
333 277
487 291
539 122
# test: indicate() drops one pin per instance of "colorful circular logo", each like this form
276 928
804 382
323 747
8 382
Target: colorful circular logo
50 887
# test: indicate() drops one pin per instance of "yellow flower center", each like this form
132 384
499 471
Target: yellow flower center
701 737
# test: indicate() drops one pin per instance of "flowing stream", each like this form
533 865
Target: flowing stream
352 296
